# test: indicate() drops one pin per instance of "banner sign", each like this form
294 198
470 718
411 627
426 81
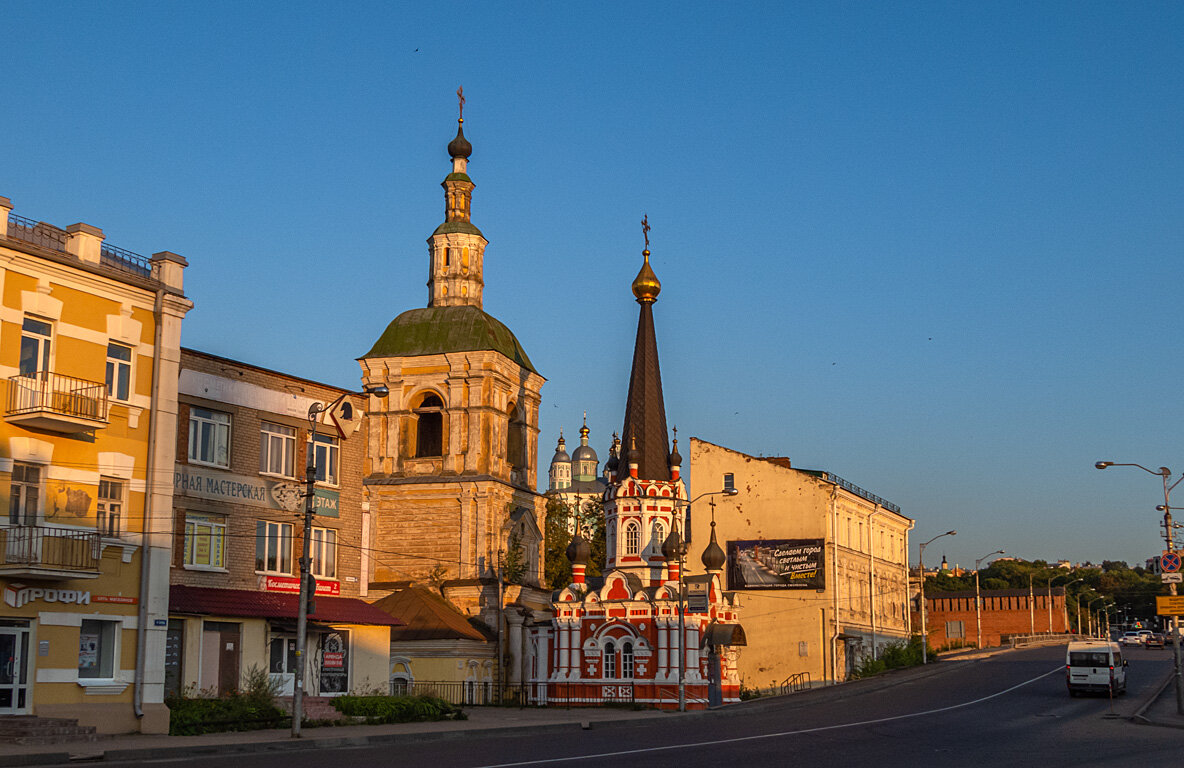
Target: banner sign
1169 605
216 485
777 564
335 662
291 585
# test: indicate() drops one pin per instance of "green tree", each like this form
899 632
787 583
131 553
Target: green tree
558 531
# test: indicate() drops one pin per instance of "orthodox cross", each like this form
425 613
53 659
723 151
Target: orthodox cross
645 230
460 97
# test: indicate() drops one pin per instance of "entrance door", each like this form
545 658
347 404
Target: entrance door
219 656
14 670
282 663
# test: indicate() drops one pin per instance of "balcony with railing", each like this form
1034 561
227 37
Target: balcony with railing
54 402
37 552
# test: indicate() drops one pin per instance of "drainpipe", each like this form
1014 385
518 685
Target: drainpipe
834 539
149 512
871 557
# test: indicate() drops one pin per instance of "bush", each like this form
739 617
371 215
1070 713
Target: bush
895 655
250 709
397 709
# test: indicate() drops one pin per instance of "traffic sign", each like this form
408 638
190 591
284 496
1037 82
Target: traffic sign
1172 578
1172 605
1169 561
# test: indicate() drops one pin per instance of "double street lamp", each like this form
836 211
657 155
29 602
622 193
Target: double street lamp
978 613
728 490
1050 581
921 565
1165 474
307 585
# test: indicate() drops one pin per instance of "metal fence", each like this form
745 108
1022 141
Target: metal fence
67 395
23 546
37 233
796 683
537 694
125 261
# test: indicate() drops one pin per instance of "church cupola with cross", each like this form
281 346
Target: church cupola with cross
457 248
645 500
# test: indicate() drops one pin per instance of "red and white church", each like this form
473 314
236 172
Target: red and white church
620 641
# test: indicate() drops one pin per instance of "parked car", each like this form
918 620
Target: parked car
1131 638
1154 641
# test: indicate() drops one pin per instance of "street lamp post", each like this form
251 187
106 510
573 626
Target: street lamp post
1089 611
728 490
1051 579
307 590
978 613
1068 626
1165 474
921 566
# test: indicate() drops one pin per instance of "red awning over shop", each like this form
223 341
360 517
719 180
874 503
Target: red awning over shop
274 605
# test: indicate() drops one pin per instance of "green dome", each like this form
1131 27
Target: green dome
436 330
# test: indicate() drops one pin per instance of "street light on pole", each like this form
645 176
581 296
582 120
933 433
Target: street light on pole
1051 579
1165 474
1089 610
728 490
1069 627
308 590
921 564
978 614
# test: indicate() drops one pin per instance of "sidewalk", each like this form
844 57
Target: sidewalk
137 746
1161 709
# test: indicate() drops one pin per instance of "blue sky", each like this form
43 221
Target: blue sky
933 248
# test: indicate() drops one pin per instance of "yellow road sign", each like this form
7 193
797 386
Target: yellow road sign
1171 605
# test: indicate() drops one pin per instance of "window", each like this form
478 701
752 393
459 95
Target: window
516 440
96 649
25 495
273 547
205 541
429 427
627 661
35 344
659 536
277 450
610 661
209 437
119 371
325 455
109 517
632 539
323 546
955 630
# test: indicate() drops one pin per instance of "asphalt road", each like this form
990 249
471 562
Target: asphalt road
1009 710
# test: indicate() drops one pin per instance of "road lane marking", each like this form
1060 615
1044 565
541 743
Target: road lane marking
738 739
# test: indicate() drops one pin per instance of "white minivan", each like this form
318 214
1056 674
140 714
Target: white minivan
1097 666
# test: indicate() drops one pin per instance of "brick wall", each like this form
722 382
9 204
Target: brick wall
1003 612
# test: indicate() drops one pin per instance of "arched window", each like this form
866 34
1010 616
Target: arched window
610 539
627 661
632 539
464 260
447 258
516 438
610 661
659 536
429 427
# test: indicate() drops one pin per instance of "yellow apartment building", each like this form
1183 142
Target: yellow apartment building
89 355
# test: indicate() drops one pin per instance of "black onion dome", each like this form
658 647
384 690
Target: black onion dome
632 456
672 546
578 550
460 146
714 557
675 456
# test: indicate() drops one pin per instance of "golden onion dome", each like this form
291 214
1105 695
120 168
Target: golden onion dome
646 286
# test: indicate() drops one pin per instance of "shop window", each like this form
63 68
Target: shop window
429 427
209 437
25 494
277 450
119 371
273 547
96 649
109 514
326 454
205 541
323 546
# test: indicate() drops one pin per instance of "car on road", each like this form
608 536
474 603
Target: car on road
1131 638
1095 666
1154 641
1145 633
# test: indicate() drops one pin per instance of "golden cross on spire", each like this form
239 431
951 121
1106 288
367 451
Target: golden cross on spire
460 97
645 229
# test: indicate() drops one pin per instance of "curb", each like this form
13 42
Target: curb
1140 715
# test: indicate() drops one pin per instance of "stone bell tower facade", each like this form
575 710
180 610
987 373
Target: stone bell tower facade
451 464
